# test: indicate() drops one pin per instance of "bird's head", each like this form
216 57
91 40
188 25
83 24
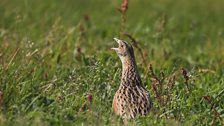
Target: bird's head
124 50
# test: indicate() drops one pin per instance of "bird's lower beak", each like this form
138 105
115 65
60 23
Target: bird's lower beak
116 49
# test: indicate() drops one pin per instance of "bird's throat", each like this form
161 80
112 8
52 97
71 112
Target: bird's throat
130 73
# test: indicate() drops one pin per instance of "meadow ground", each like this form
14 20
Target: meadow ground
54 54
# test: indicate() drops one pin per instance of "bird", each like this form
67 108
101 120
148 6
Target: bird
131 99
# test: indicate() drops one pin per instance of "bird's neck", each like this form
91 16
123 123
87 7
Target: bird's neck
128 65
130 75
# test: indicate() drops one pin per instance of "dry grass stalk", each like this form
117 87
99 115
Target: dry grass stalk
216 114
87 103
186 78
155 83
136 45
1 98
12 58
123 9
124 6
80 31
162 86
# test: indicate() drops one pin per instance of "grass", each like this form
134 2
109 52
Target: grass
55 53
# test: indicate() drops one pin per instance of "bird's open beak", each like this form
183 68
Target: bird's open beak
118 41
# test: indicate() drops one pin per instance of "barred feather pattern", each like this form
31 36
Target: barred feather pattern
131 99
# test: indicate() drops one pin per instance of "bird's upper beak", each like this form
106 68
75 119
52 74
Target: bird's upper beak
118 41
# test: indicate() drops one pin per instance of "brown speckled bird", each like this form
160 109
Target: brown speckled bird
131 99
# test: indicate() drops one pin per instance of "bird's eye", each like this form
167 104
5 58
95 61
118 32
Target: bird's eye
122 46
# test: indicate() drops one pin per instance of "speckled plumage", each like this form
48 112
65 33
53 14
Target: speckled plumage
131 99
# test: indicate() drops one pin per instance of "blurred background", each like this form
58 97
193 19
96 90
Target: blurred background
54 54
189 26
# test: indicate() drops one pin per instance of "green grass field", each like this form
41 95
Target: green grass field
54 53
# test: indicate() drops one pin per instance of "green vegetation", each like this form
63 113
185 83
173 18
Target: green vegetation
54 53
